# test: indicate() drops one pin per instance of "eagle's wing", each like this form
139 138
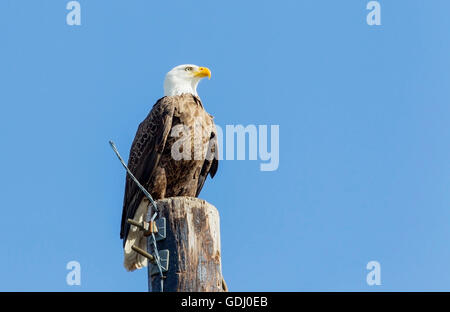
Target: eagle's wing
145 153
211 163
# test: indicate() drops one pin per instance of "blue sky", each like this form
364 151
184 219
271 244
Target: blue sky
364 120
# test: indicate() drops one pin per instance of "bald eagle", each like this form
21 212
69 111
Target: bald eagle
154 153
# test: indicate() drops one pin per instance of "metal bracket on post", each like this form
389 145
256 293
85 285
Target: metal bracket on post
157 227
163 260
161 226
143 253
159 233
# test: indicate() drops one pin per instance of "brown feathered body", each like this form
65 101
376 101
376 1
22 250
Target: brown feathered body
152 159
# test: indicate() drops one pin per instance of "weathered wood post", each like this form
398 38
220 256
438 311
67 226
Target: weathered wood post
193 241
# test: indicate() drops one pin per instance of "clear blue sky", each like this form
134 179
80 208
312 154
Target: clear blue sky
364 114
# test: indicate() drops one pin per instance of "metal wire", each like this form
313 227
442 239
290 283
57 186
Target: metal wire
152 203
147 194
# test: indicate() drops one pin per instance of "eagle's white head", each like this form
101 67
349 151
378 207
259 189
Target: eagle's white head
184 79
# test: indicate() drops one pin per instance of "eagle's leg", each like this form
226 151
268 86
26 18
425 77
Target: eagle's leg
158 184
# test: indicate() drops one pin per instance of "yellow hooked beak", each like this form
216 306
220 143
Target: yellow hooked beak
203 72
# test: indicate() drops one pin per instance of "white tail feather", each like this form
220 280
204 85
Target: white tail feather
133 260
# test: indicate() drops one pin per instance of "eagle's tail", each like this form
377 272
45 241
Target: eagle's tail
133 260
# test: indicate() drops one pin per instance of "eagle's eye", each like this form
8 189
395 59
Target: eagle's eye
189 68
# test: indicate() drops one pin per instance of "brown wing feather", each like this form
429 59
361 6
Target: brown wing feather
211 163
145 153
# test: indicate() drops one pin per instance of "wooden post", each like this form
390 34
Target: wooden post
193 241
